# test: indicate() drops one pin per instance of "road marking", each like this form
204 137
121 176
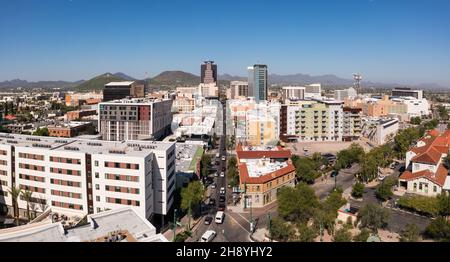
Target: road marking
237 222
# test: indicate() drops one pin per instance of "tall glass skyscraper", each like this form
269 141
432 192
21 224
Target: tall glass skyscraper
257 82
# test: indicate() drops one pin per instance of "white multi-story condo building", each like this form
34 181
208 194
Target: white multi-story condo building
135 119
87 176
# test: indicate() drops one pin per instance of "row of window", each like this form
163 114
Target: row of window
65 160
119 189
65 171
122 201
423 186
3 162
3 152
66 194
32 178
31 156
67 205
33 189
65 182
31 167
119 177
3 173
120 165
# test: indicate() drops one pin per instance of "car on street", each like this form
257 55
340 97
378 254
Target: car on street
222 191
208 236
223 158
222 199
213 185
222 174
223 169
212 202
216 174
208 220
220 215
221 207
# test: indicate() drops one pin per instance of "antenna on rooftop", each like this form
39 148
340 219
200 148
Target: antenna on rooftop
357 84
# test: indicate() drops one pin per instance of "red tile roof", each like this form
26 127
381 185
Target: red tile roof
434 133
435 146
256 154
437 178
245 178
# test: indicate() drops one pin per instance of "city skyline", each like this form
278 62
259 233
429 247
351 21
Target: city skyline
405 42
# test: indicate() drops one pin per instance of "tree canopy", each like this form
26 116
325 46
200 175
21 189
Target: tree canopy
373 216
297 204
192 195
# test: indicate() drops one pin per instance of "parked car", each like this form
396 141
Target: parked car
213 185
222 191
222 199
221 207
212 201
223 169
222 174
224 158
208 236
208 220
216 174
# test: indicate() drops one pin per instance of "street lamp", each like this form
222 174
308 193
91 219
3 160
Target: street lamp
174 224
270 226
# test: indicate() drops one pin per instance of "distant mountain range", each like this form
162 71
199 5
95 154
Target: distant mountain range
171 79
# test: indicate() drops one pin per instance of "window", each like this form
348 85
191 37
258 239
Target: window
96 163
420 186
118 201
434 189
97 198
96 175
97 186
415 186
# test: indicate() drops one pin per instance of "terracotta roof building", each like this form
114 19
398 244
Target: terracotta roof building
262 172
427 173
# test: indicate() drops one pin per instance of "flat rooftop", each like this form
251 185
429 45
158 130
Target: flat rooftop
119 225
128 148
261 167
123 83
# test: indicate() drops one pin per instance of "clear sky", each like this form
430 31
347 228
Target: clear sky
402 41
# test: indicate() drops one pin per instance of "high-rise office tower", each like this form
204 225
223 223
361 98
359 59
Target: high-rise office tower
257 82
208 72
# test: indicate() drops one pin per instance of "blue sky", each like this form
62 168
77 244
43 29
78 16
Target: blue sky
402 41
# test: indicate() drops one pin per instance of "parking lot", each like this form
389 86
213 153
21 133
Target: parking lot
323 147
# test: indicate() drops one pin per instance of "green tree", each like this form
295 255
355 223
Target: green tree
306 233
411 233
280 230
27 195
297 204
443 204
192 195
384 190
342 235
448 126
432 124
41 132
363 235
404 139
232 171
15 193
306 170
421 204
373 216
358 190
443 112
438 229
205 164
326 212
345 158
415 120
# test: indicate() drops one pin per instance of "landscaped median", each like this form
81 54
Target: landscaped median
428 206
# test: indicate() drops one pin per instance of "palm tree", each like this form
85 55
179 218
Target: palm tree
27 194
15 193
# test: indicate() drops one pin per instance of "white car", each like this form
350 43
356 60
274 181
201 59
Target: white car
216 174
213 186
220 215
222 174
223 158
222 191
208 236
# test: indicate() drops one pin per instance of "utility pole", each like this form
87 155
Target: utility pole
189 216
270 226
174 224
251 218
